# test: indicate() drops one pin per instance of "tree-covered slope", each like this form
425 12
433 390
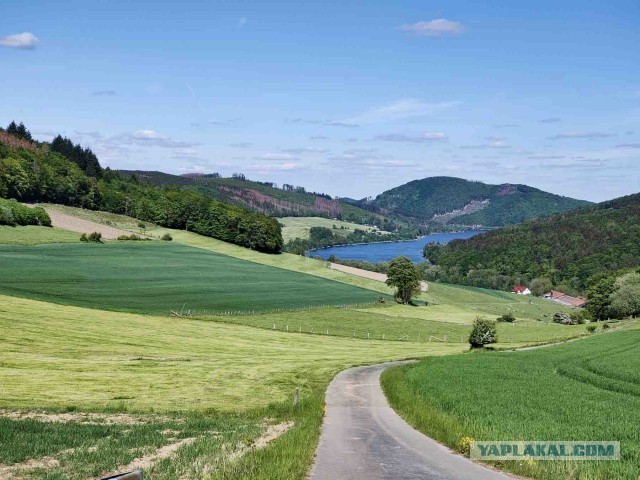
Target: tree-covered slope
64 173
566 248
450 200
267 197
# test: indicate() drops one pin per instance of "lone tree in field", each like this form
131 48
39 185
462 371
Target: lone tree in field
405 276
483 333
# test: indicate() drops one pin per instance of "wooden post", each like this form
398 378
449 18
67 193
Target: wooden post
295 397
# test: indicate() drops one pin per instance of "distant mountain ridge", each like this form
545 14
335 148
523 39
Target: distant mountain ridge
451 200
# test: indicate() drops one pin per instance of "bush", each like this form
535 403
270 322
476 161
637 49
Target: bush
605 326
591 328
95 237
166 237
564 319
507 317
581 317
484 332
14 213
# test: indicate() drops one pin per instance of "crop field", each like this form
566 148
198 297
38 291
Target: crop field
583 390
156 277
85 392
298 227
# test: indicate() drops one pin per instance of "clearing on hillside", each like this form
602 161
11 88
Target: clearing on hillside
584 390
156 277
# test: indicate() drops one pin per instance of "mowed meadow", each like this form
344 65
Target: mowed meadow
583 390
97 376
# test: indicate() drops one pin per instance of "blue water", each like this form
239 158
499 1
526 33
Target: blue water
383 252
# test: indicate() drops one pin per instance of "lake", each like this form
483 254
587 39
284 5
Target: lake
385 251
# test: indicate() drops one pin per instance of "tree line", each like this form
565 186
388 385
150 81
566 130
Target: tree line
71 175
323 237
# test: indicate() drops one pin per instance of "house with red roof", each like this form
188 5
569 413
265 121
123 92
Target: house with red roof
521 290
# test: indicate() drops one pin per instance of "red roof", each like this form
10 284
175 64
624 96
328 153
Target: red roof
565 299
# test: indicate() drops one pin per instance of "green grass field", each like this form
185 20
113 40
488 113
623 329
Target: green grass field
32 235
583 390
215 383
298 227
156 277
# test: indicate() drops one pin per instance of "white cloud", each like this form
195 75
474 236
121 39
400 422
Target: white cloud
25 41
413 138
551 120
434 28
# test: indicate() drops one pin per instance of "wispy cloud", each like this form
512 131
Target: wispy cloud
105 93
279 157
628 145
497 144
303 150
318 137
275 167
550 120
587 135
242 21
434 28
413 138
241 145
24 41
398 110
506 125
327 123
151 138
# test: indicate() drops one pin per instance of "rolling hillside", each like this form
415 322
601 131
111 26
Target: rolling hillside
450 200
567 247
265 197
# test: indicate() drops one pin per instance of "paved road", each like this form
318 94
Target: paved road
363 438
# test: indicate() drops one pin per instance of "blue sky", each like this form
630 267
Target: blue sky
348 98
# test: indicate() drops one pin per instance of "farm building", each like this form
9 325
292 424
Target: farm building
521 290
564 299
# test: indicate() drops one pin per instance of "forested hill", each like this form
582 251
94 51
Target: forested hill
267 197
450 200
65 173
566 249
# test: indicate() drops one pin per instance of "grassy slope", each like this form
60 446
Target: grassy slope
449 305
298 227
32 235
586 390
220 380
156 277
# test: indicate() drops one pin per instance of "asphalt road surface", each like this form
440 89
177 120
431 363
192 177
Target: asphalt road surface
363 438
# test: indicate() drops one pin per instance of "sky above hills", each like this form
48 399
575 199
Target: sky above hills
348 98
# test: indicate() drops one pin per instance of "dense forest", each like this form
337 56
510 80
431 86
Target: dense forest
450 200
64 173
566 250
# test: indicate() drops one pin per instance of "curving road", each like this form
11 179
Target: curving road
363 438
